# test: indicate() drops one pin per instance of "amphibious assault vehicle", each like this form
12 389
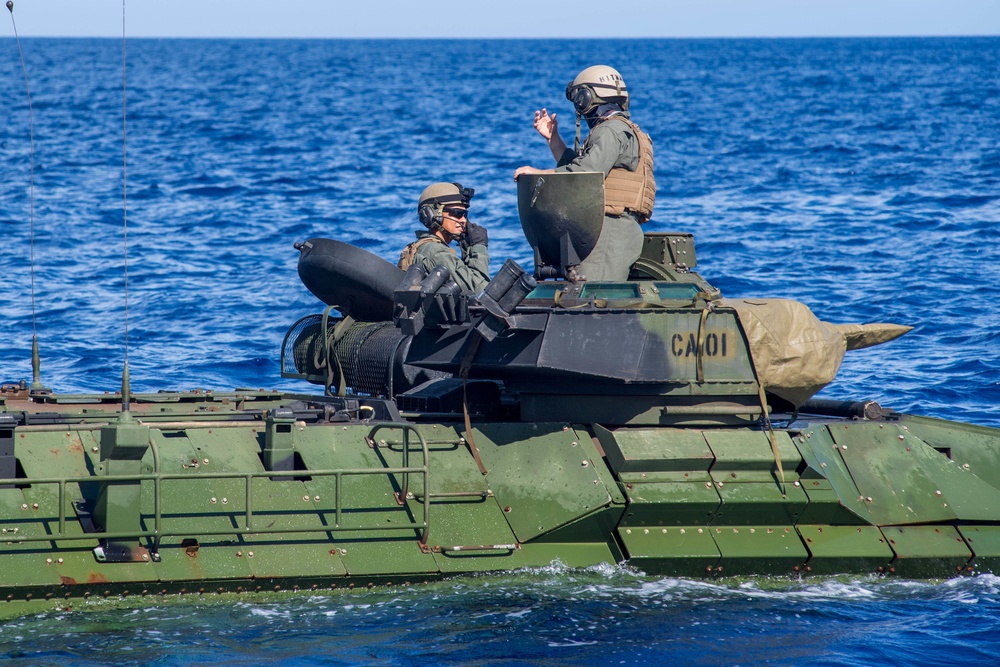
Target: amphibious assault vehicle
651 422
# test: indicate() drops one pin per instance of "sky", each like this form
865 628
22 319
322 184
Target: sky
504 18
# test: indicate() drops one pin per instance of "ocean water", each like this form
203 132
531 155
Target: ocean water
860 176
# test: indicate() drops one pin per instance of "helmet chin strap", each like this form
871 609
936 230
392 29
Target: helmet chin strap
576 144
447 236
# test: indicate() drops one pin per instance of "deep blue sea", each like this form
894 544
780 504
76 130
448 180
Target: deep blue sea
860 176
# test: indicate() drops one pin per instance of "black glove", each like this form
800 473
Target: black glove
475 235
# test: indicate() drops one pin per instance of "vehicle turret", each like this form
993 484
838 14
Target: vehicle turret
664 347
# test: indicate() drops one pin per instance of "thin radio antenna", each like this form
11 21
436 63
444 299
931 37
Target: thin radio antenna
37 387
126 388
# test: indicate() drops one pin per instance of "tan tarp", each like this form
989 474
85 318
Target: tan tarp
795 353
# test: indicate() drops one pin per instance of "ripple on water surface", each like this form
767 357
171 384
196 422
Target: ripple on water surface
858 176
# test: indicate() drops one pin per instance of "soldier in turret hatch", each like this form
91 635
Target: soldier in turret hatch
443 209
618 148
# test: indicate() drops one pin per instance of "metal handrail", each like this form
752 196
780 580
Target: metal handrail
158 478
404 487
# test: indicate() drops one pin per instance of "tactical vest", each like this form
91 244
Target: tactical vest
410 252
633 191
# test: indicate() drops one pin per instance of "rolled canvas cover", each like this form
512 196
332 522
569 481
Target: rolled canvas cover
795 354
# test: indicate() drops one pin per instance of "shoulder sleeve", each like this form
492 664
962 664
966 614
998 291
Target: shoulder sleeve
568 156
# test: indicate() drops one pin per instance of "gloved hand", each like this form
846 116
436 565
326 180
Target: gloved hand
475 235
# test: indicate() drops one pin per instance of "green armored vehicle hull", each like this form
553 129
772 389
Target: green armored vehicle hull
650 422
236 494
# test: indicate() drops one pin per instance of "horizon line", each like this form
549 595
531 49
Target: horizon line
505 37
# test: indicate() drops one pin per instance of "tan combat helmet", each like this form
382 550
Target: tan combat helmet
435 197
597 85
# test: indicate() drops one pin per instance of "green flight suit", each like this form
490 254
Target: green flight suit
471 271
609 144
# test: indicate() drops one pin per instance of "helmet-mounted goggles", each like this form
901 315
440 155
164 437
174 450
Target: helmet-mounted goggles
584 96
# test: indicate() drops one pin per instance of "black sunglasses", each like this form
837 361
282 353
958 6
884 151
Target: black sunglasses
457 213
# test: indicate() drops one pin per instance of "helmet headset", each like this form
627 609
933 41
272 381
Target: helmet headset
593 87
585 98
435 197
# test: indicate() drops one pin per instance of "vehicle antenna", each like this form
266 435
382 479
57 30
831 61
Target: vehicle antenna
36 387
126 389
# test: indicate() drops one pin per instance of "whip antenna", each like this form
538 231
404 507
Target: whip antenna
36 365
126 389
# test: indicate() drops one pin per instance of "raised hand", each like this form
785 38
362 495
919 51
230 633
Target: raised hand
476 235
546 125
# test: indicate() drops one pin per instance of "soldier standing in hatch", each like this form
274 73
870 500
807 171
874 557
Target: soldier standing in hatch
618 148
443 209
